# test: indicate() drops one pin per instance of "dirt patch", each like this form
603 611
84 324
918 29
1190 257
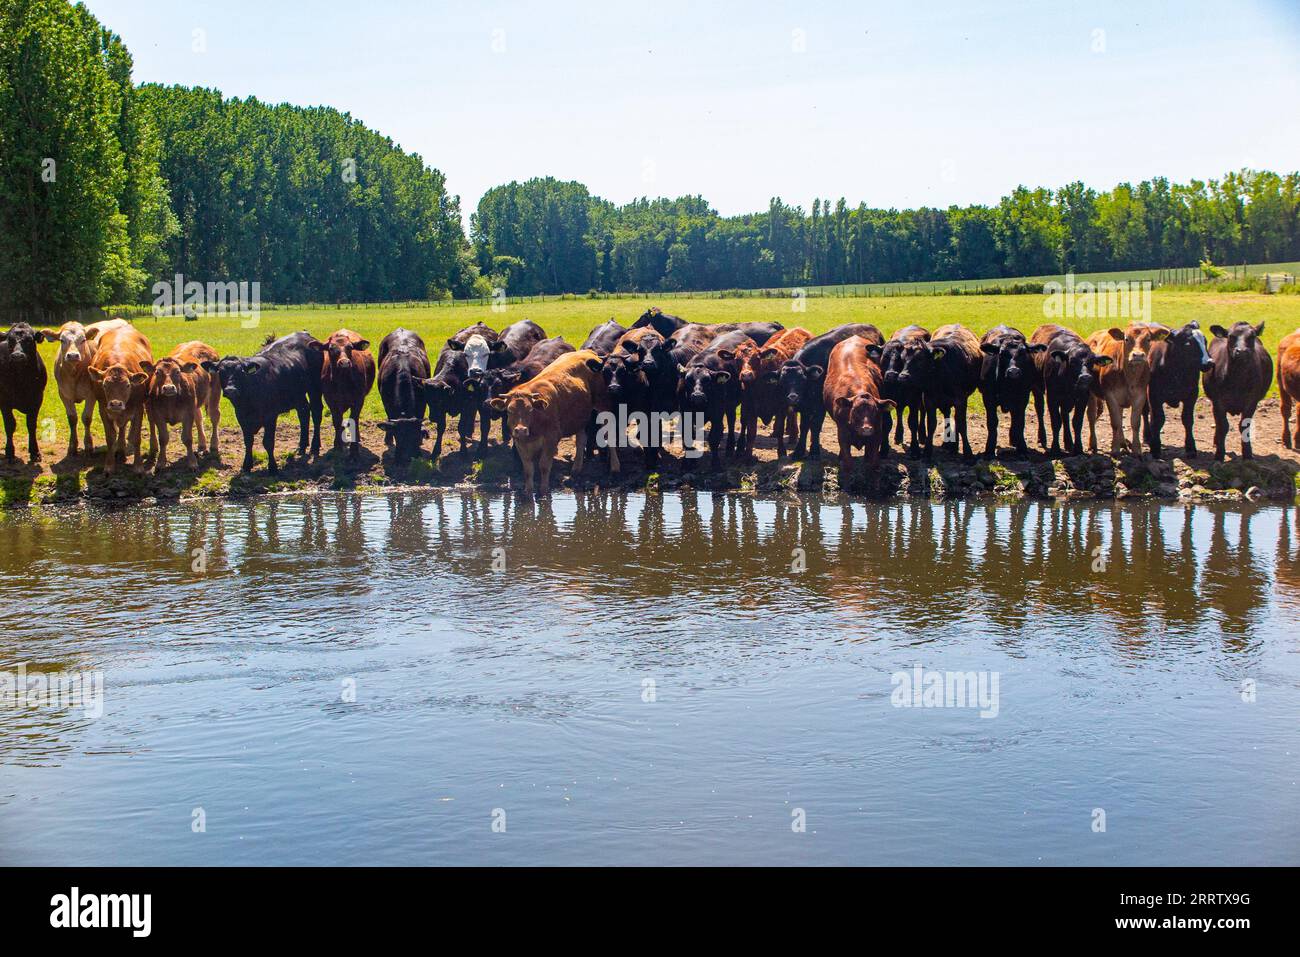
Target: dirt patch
1272 474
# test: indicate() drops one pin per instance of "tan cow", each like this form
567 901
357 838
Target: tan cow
558 402
77 344
1122 384
119 379
1288 383
179 389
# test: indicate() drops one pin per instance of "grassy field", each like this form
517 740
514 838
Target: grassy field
574 319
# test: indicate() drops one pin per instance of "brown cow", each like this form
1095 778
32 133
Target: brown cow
1288 384
1122 384
761 397
556 403
1239 377
851 395
346 378
178 392
77 344
117 373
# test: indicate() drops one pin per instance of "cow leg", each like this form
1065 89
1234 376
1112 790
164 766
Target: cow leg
1286 419
110 441
960 412
928 419
160 460
214 420
1018 427
187 436
898 430
731 429
1042 427
1189 425
990 423
250 433
197 418
1247 427
484 424
11 425
336 416
1220 432
526 459
354 448
1135 423
268 440
1094 410
440 426
317 412
87 411
304 417
846 451
1153 420
137 422
818 417
33 448
71 409
549 449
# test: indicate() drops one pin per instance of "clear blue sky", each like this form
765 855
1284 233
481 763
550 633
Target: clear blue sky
898 104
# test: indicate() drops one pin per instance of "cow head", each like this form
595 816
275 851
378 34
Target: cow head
1187 348
166 377
624 375
743 356
75 342
239 377
1080 367
1137 339
653 350
523 411
861 413
797 381
407 435
701 382
20 343
1241 338
1013 357
339 349
118 383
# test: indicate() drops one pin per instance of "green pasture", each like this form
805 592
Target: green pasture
575 318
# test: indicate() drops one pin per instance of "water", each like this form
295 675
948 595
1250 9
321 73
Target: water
649 682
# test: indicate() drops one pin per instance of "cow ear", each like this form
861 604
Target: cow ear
595 365
208 365
681 369
1259 329
91 334
147 366
1115 333
509 375
816 371
190 367
96 376
726 355
497 404
874 352
1102 361
936 353
138 378
455 346
361 344
384 426
767 352
1159 334
1059 355
887 403
250 368
1038 347
988 348
538 401
497 346
1193 325
841 403
47 335
317 345
1219 332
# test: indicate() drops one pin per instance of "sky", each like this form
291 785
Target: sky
896 104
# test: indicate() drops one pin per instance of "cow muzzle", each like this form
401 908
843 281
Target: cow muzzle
116 405
168 390
72 356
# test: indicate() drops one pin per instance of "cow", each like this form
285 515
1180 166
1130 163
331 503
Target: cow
760 332
1122 384
652 357
955 363
179 390
604 337
1241 376
515 342
801 381
1177 364
558 402
905 364
1288 384
659 321
500 381
22 384
403 371
1065 376
761 398
77 345
346 377
470 348
1006 378
284 376
710 389
851 394
119 378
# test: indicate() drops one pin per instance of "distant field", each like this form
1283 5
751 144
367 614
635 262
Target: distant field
574 319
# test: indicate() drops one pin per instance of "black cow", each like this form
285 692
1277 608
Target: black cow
1239 378
403 369
22 383
954 373
604 337
1006 379
905 364
801 380
651 358
1066 378
456 388
710 389
284 376
1177 363
663 323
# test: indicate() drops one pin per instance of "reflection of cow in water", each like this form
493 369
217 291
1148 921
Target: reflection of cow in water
1286 577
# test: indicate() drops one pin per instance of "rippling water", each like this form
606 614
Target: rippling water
651 680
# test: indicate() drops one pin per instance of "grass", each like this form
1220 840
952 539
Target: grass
575 318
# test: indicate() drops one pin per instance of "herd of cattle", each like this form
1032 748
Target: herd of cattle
545 390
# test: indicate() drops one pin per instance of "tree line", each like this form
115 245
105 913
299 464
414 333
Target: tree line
107 187
548 236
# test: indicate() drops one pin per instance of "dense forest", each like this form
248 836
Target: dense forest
107 187
550 236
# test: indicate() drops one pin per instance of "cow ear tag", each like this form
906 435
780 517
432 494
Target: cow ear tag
350 430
